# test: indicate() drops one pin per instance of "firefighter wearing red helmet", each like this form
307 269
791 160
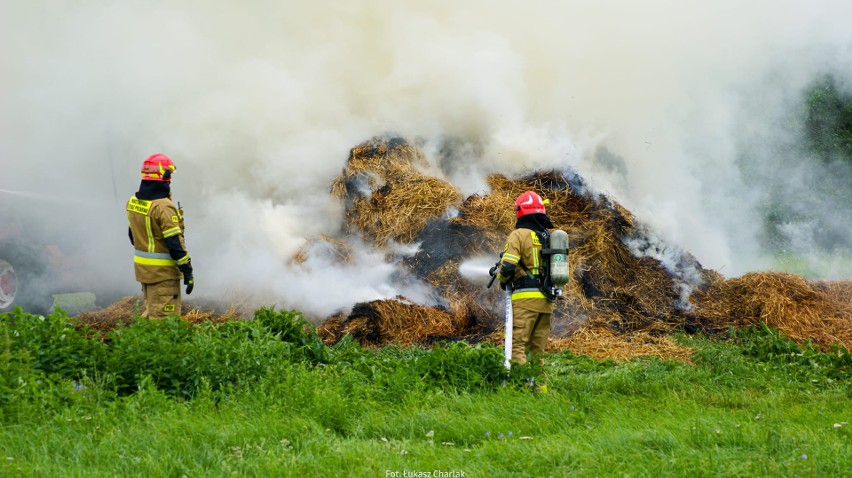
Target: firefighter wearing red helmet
156 232
521 269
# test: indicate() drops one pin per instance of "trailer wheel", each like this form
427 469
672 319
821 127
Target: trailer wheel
25 278
8 285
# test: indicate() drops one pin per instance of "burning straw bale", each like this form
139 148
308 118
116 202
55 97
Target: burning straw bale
397 321
495 211
800 309
608 281
606 275
620 294
469 302
445 241
325 246
387 197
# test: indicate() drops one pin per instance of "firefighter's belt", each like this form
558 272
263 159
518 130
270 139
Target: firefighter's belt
526 282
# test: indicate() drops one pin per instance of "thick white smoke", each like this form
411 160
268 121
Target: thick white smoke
259 103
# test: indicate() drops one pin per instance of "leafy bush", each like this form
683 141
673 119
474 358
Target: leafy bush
464 367
52 343
181 359
291 327
150 348
802 361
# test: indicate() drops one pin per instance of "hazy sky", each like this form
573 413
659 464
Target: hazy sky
259 102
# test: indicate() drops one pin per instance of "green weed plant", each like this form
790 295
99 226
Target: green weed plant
266 397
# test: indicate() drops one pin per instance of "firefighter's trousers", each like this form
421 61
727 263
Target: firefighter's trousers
161 299
530 330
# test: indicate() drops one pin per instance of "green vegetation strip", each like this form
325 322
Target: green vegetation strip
266 397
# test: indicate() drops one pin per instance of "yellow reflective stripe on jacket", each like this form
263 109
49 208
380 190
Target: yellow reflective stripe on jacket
154 262
171 232
511 258
183 260
536 259
530 294
150 233
153 258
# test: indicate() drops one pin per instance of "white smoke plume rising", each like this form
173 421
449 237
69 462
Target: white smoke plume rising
259 102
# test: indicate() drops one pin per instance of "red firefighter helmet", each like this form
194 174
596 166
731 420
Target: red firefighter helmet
158 167
529 203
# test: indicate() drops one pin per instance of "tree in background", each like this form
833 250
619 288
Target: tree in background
828 125
807 181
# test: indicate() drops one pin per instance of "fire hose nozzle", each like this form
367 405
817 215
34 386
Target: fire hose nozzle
493 273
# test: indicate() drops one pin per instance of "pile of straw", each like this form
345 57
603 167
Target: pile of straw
122 311
398 321
127 309
608 282
327 246
470 303
625 304
800 309
606 276
387 197
598 340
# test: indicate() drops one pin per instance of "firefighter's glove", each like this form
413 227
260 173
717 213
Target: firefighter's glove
188 279
504 285
189 282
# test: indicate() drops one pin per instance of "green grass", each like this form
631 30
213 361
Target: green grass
272 401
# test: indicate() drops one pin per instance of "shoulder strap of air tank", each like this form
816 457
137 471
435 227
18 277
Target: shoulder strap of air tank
544 237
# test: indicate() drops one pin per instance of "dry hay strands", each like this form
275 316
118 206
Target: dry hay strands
331 330
198 315
609 275
384 156
126 310
398 321
375 162
597 340
839 293
574 305
399 211
786 302
123 311
495 211
325 246
491 212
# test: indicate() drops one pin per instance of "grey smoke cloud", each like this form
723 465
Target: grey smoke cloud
259 103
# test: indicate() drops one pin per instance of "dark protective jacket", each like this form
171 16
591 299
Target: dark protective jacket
156 232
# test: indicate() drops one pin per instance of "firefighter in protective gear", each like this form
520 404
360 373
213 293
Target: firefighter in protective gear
156 233
521 270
